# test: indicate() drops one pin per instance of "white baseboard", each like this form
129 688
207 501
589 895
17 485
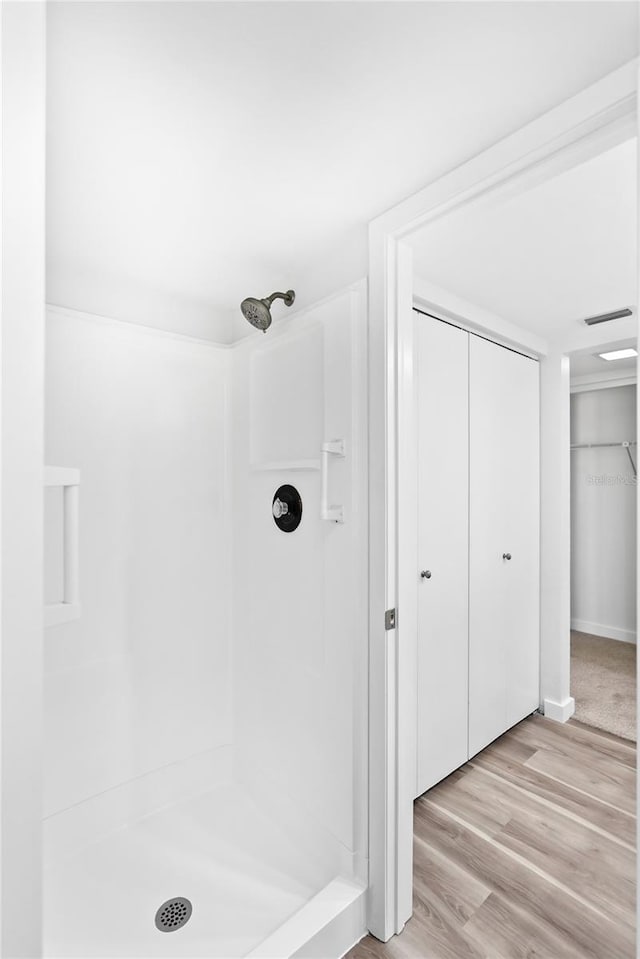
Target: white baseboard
66 832
607 632
325 928
560 712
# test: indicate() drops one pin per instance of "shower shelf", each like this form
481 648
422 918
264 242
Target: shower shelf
282 465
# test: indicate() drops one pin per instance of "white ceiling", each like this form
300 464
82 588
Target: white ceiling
546 259
202 152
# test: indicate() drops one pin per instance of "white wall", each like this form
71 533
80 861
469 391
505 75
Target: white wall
603 514
143 678
300 599
21 385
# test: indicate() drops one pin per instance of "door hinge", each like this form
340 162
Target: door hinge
390 619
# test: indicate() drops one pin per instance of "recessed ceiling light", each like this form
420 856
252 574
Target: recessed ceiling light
618 354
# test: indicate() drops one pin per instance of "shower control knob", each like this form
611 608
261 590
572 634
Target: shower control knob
286 508
506 555
279 509
425 574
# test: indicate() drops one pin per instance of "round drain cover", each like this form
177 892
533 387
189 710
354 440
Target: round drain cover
173 914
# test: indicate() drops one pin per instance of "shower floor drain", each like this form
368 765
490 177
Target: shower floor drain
173 914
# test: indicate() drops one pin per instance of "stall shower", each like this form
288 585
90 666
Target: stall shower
205 701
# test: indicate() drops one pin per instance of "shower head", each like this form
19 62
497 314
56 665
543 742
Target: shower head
258 312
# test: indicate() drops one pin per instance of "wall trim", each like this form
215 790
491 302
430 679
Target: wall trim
289 324
602 381
605 631
559 712
126 325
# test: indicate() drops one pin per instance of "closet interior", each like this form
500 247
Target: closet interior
603 543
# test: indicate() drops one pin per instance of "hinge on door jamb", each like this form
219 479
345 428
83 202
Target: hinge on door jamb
390 619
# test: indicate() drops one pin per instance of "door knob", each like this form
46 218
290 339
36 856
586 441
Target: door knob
425 574
506 555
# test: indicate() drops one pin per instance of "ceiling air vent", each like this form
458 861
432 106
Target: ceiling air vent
605 317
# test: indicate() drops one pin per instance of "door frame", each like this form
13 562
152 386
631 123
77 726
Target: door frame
601 116
22 340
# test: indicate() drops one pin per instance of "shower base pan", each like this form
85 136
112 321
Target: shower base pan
252 891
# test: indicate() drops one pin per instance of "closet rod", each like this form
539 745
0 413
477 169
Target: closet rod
625 444
589 446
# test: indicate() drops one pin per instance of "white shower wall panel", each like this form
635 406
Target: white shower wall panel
143 679
300 599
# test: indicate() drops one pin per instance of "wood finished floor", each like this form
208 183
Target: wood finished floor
527 851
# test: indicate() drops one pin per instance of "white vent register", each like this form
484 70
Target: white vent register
69 606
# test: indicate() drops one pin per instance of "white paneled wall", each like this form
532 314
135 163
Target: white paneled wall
300 599
143 679
603 514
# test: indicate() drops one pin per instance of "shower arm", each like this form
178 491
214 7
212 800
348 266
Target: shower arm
288 298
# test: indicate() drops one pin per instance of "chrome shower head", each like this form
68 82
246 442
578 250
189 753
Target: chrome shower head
258 312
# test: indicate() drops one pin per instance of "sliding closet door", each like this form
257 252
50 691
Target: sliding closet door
504 639
443 495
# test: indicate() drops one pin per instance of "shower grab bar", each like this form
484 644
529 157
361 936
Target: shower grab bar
69 608
333 513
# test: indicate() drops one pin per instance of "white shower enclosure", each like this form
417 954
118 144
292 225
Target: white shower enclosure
206 698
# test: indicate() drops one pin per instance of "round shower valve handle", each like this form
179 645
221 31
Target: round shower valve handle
279 509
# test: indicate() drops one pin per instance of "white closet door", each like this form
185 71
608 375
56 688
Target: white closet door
504 634
443 497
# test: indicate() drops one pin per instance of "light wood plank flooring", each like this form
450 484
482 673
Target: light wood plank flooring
527 851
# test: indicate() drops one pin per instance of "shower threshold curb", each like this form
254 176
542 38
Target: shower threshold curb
325 928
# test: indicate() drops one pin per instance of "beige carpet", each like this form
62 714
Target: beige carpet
603 683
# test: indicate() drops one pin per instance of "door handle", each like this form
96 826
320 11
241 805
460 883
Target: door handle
425 574
506 555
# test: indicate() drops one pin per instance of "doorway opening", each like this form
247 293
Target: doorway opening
604 464
519 260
